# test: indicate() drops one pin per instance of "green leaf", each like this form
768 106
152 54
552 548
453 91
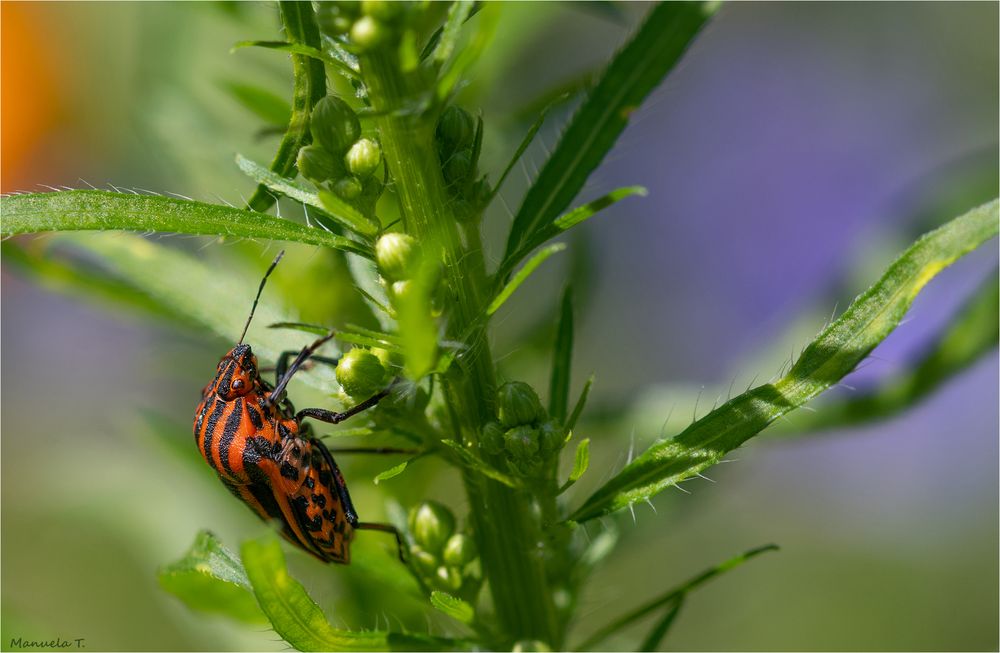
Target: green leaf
581 461
580 403
562 359
672 596
209 578
432 42
458 13
452 70
971 335
635 71
660 629
309 87
417 325
525 142
301 623
477 464
522 276
393 471
567 221
332 207
315 329
85 210
220 305
304 50
830 357
263 103
453 606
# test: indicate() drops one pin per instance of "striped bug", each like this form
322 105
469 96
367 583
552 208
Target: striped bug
251 435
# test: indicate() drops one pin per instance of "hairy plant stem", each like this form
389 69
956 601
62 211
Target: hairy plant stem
507 532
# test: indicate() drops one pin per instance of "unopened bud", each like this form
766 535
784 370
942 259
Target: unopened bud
363 158
348 188
455 129
396 255
518 404
431 525
334 125
460 550
316 164
521 442
491 438
360 373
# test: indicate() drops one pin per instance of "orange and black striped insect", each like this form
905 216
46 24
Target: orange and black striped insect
251 435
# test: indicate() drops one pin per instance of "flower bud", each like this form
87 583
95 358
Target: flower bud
348 188
431 525
459 551
366 33
372 190
385 357
316 164
457 167
518 404
424 561
396 255
363 158
334 125
455 129
491 439
400 290
384 10
551 437
521 442
332 18
449 578
360 373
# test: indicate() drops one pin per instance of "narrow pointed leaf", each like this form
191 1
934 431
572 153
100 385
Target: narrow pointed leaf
831 356
567 221
209 578
304 50
332 207
562 359
672 596
522 276
580 404
458 13
309 87
267 106
660 629
970 336
635 71
301 623
85 210
393 471
581 461
453 69
525 142
453 606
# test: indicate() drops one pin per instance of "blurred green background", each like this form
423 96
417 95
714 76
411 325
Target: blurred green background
796 149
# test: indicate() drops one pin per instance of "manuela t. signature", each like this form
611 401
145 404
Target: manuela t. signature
57 643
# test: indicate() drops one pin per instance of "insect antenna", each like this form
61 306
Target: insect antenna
259 291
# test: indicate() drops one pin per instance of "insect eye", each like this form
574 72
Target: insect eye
237 384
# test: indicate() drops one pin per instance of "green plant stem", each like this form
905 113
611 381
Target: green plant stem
506 530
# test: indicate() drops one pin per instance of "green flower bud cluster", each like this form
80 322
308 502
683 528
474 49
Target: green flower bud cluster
362 373
456 139
524 434
339 156
443 557
367 24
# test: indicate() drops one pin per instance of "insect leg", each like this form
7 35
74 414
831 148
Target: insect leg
306 352
334 417
385 528
282 366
